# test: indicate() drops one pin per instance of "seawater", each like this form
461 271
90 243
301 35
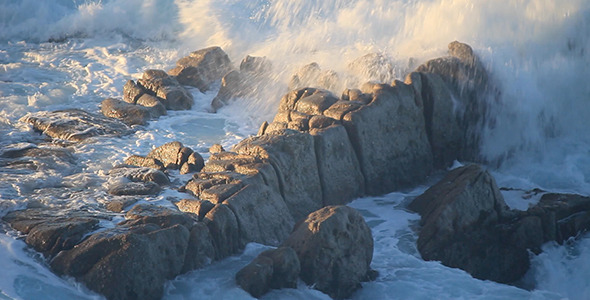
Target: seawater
60 54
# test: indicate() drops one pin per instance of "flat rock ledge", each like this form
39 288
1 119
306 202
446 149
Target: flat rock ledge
321 151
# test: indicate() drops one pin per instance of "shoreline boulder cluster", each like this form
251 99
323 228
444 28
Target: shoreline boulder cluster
288 186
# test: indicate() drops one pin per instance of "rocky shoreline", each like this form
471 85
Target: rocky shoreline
288 186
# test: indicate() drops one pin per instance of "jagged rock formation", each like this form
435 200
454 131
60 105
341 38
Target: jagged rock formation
320 150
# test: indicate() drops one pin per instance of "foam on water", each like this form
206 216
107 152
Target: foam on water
536 51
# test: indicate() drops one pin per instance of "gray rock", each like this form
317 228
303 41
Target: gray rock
390 140
194 163
161 216
339 169
224 230
441 117
200 251
285 267
168 90
292 155
48 232
74 125
262 215
201 68
140 174
155 106
173 155
127 262
255 65
130 114
132 92
141 161
134 188
335 248
198 207
255 277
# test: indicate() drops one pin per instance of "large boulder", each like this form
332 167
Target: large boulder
74 124
262 215
201 68
127 262
272 269
466 224
389 137
335 248
292 155
168 90
128 113
339 170
225 233
472 88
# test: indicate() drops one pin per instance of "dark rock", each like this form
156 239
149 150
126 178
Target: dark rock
200 251
194 163
233 85
201 68
562 215
356 95
255 277
285 267
315 104
321 122
48 232
292 155
32 157
335 248
441 116
134 188
224 230
74 124
389 138
130 114
127 262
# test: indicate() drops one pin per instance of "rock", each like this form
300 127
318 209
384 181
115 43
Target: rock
224 230
119 204
48 232
307 76
161 216
356 95
127 262
255 65
276 269
194 163
32 157
285 267
389 138
339 170
233 85
335 248
172 95
467 78
374 67
201 68
292 155
134 188
140 174
198 207
200 250
173 155
128 113
467 225
315 104
132 92
140 161
74 124
441 116
562 216
321 122
262 215
156 108
216 148
255 277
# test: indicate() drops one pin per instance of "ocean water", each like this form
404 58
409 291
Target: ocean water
59 54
